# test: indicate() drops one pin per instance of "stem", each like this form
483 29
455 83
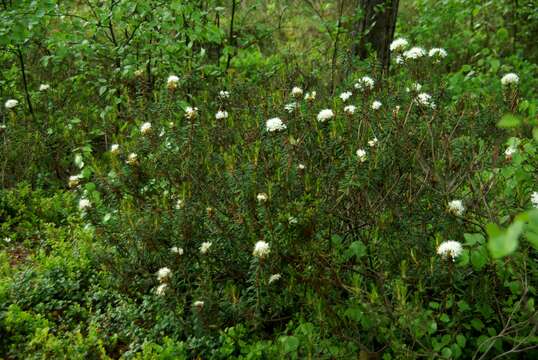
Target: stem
231 39
25 82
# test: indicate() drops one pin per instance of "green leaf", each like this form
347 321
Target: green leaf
357 248
503 243
509 121
289 343
479 258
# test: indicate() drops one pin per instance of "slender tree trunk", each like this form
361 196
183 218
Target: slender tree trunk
376 27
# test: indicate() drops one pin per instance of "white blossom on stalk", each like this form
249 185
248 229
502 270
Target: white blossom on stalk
223 94
290 107
414 53
161 289
275 124
84 204
414 87
297 92
456 207
325 115
510 79
145 128
292 220
191 112
301 167
437 54
163 274
373 142
399 44
44 87
221 114
399 60
274 277
534 199
450 249
361 155
261 249
511 150
74 180
176 250
114 148
345 95
11 103
365 83
204 248
199 304
132 159
179 204
172 82
376 105
262 197
310 96
425 99
350 109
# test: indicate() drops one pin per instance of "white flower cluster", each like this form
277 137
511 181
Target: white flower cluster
221 114
145 128
424 99
399 45
361 155
115 148
191 112
345 95
11 103
132 159
376 105
456 207
204 248
365 83
297 92
262 197
176 250
325 115
84 204
373 142
223 94
414 53
275 124
350 109
261 249
172 82
44 87
414 87
274 277
510 150
310 96
534 199
510 79
74 180
437 54
290 107
450 249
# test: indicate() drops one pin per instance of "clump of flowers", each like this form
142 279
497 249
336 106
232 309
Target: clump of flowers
176 250
204 248
510 79
414 53
261 249
376 105
172 82
84 204
74 180
365 83
437 54
511 150
398 45
132 159
373 142
44 87
310 96
11 103
301 166
450 249
296 92
221 114
290 107
361 155
345 95
145 128
456 207
199 304
275 124
414 87
191 112
114 148
161 289
534 199
163 274
274 277
325 115
179 204
223 94
424 99
350 109
262 197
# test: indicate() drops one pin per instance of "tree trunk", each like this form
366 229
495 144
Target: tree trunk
376 27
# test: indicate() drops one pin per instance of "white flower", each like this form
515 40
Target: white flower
534 199
161 289
74 180
44 87
179 204
191 112
199 304
365 83
204 248
274 277
310 96
221 114
438 53
145 128
325 115
290 107
345 95
511 150
11 103
261 249
425 99
7 239
292 220
414 53
132 159
275 124
373 142
450 249
350 109
301 167
262 197
399 44
84 204
508 79
114 148
399 60
163 274
176 250
414 87
376 105
297 92
361 154
223 94
456 207
172 82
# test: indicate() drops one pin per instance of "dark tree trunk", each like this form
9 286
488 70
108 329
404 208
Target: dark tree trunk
376 27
